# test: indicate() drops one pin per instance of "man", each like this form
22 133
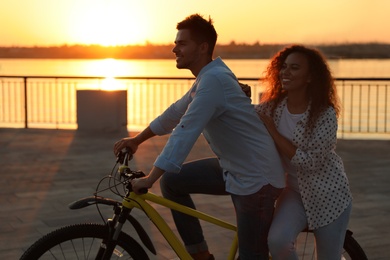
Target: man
248 166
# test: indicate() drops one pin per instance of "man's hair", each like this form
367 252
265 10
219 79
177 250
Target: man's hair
201 30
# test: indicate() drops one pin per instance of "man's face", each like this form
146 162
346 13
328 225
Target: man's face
187 51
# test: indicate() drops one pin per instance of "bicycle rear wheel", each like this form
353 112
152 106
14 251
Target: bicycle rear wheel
305 247
82 241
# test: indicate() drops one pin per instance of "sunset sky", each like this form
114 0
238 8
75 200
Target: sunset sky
128 22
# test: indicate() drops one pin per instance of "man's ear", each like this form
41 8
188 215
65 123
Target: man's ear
204 47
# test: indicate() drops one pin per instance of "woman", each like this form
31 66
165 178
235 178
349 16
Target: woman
300 109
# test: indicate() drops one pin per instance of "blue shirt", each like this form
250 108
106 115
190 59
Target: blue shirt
217 107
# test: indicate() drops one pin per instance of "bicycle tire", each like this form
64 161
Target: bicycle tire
352 247
305 247
81 241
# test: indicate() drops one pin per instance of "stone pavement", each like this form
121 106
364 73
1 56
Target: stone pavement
44 170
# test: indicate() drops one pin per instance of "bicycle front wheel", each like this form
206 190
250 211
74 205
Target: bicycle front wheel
82 241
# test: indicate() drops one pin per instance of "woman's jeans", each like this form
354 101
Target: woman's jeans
290 219
254 212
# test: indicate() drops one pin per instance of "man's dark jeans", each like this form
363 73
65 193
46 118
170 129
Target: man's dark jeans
254 212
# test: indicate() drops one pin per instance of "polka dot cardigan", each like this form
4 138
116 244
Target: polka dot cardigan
323 183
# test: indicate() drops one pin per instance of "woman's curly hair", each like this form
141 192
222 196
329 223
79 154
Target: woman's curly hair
321 91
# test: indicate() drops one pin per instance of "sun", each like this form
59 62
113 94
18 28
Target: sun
108 23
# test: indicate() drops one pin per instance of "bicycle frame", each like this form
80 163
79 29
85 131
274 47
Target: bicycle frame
141 202
65 238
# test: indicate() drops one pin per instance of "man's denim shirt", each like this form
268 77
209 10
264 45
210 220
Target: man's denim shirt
217 107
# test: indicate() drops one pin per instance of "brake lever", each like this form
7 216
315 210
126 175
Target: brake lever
120 157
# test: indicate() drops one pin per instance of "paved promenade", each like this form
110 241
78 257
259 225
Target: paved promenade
44 170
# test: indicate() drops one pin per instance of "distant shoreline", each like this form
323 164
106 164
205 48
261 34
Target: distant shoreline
230 51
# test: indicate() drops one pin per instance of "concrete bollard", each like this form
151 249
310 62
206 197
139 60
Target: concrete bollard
102 111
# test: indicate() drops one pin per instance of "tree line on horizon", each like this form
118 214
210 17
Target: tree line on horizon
227 51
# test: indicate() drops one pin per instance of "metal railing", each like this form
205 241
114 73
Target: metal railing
50 102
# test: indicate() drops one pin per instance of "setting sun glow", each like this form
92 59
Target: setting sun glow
109 68
129 22
111 84
108 23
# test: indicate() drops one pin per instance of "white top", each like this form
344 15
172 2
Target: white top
287 125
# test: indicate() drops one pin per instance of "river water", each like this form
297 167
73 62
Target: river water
166 68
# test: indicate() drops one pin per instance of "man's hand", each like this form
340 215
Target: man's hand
147 182
141 183
133 142
125 142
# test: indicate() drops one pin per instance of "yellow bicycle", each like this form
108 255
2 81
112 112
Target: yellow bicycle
109 241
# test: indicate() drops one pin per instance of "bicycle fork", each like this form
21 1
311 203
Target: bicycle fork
114 226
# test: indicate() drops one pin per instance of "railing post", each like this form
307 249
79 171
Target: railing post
25 104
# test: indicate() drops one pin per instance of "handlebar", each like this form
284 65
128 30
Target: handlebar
124 170
124 157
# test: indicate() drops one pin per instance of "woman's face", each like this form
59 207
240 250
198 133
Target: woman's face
295 74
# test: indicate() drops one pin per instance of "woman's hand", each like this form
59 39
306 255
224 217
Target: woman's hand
269 124
284 145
